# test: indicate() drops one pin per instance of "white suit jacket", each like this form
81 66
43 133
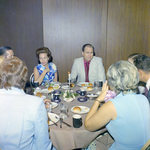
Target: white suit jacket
96 70
23 121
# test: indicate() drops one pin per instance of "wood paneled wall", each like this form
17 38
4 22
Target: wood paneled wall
128 29
21 27
116 28
68 25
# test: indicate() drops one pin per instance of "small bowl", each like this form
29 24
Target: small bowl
92 96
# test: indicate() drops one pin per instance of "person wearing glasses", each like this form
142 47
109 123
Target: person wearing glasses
6 52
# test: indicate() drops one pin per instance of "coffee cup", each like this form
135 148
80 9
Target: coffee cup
77 121
56 96
82 92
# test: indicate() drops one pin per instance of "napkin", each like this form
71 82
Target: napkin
110 95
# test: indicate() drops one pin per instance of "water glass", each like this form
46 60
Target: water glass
63 110
96 85
47 83
100 85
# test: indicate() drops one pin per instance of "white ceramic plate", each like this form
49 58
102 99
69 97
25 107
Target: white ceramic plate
46 91
43 97
54 104
99 92
68 99
92 96
84 110
53 117
65 87
86 83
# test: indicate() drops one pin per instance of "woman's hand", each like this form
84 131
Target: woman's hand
46 100
103 93
47 69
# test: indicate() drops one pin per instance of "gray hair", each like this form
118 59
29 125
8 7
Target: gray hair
123 77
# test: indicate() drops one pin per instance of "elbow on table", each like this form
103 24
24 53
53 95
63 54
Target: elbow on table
88 126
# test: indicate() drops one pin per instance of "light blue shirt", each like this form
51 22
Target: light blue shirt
131 128
23 121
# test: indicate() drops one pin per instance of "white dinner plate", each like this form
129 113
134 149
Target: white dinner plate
54 104
43 97
65 87
86 83
53 117
99 92
46 91
68 99
84 110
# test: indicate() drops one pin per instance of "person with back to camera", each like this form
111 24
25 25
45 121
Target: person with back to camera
127 116
45 70
23 117
88 68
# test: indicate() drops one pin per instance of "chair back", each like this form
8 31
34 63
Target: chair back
146 146
32 80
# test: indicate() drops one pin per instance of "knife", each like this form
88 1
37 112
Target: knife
61 123
53 122
61 119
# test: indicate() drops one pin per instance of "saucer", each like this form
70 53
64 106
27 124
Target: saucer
56 101
78 91
82 99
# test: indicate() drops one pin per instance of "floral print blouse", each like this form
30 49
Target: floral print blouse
49 75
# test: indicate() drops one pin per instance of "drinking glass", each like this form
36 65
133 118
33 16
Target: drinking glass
63 110
47 83
100 85
96 85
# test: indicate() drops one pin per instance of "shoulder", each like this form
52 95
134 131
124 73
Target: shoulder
97 58
78 59
52 65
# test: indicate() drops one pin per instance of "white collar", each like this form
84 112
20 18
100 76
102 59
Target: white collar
148 84
14 91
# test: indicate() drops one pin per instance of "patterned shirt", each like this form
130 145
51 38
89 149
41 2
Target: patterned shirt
49 75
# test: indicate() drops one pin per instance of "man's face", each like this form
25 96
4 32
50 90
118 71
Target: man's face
88 53
9 54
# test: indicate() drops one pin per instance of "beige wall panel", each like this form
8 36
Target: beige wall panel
68 25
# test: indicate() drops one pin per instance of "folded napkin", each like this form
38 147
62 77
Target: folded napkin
110 95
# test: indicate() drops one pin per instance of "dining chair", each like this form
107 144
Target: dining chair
146 146
32 80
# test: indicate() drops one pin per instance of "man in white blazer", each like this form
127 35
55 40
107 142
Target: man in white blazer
95 72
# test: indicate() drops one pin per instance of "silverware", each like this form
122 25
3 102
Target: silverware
61 119
60 123
53 122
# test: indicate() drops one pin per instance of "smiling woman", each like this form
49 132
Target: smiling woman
46 70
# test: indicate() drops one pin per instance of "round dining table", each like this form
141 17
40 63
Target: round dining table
69 138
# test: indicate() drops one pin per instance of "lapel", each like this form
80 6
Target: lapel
81 66
148 96
92 66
